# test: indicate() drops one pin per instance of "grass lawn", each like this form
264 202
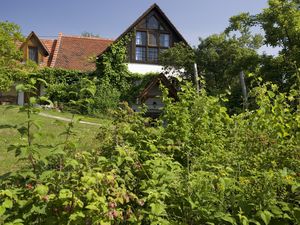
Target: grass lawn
50 130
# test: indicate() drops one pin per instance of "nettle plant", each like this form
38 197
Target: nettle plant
197 165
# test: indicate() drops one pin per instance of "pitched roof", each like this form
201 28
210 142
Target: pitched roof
156 80
149 10
75 52
33 35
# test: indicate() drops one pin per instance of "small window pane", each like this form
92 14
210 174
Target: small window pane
152 39
140 54
33 54
140 38
152 54
143 24
153 23
165 40
161 27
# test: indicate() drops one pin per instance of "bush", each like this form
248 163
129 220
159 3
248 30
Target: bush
107 98
198 165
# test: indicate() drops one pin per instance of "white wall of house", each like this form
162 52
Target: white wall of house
150 68
144 68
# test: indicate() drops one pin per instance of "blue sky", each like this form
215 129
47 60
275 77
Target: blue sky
109 18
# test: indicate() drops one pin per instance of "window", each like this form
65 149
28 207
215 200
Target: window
33 54
140 38
152 54
153 23
152 39
165 40
161 27
143 24
140 54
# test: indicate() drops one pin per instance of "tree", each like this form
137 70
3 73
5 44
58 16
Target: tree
179 59
89 34
10 55
280 22
221 58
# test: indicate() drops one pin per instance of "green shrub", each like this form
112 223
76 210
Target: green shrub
198 165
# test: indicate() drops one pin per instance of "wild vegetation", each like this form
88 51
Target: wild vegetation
197 165
201 162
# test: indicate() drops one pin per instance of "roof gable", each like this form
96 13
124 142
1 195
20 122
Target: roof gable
161 78
42 46
156 10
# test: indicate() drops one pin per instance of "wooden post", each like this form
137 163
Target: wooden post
196 77
244 90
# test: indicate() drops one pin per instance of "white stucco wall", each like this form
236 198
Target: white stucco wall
150 68
144 68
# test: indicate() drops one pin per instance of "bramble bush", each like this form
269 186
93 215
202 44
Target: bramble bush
196 165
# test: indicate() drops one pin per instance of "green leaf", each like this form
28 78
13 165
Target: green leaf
20 87
229 219
45 99
41 189
8 193
275 210
157 209
76 215
2 210
266 216
65 193
38 209
32 100
295 188
92 207
8 204
18 222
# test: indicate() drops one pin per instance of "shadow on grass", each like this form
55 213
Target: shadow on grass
7 126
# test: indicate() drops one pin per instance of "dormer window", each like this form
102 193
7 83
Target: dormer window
33 54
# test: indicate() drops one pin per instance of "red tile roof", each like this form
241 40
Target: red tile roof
76 52
50 44
72 52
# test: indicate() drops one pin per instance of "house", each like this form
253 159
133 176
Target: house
153 33
66 52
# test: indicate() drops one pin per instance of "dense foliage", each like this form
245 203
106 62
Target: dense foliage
280 23
178 60
221 58
9 54
111 66
64 87
198 165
